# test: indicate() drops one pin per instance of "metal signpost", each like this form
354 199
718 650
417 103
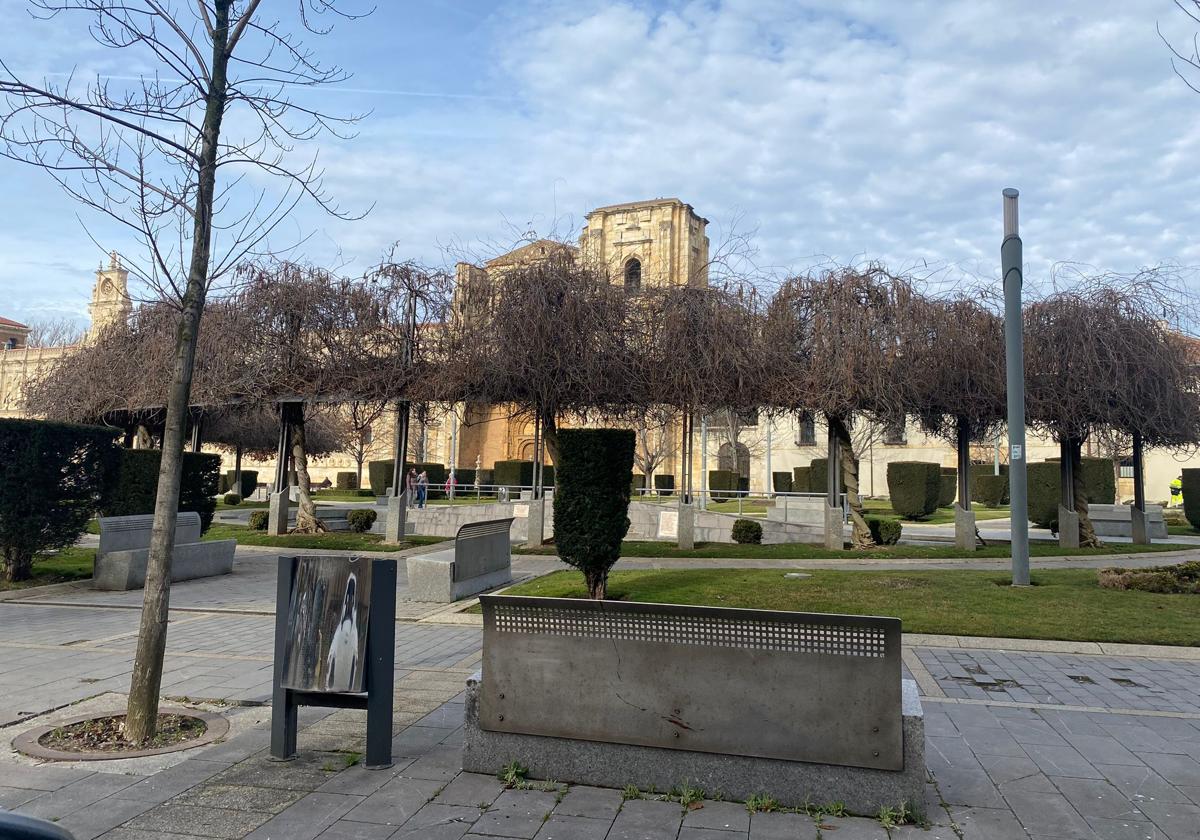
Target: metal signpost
1014 355
335 632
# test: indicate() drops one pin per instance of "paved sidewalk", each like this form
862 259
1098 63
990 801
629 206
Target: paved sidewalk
1021 744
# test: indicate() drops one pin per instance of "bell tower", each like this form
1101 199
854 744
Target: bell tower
661 242
110 296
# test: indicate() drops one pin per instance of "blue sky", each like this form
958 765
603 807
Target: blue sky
845 129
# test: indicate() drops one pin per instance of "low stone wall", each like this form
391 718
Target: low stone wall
793 783
1115 521
445 520
120 570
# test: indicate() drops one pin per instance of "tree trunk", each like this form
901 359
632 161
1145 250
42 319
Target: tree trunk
550 436
861 533
1087 534
306 511
597 584
17 566
141 718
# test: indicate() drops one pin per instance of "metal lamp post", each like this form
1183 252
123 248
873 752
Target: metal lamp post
1014 355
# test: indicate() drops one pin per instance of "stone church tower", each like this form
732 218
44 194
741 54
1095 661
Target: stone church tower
110 296
652 243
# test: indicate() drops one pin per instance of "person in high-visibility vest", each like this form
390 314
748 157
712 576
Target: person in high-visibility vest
1177 492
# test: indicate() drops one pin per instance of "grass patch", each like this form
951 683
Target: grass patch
1182 531
806 551
1065 604
334 540
69 564
941 516
244 506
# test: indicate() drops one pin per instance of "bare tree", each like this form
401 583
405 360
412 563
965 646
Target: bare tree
54 332
155 156
653 442
361 417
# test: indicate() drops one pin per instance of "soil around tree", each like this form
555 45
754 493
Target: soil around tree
102 736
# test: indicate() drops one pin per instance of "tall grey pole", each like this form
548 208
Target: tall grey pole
1014 356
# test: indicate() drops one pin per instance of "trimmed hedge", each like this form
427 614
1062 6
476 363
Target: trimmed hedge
664 484
722 484
884 531
989 490
591 501
249 483
781 482
379 475
136 485
518 475
746 531
802 480
53 477
914 487
818 476
232 499
360 520
1190 478
258 520
1045 487
637 481
949 491
346 481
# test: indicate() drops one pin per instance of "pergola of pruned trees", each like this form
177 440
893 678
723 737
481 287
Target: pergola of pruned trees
560 342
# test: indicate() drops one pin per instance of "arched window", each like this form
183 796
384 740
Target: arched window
726 461
633 275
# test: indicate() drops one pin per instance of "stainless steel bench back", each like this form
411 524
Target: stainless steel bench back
799 686
482 547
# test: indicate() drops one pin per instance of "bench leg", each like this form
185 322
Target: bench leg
381 673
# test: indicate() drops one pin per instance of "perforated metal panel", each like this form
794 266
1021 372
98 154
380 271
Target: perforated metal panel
481 547
799 686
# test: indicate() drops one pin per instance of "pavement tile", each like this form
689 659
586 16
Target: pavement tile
171 782
11 797
1177 820
41 777
642 819
139 834
842 828
102 816
442 763
346 830
727 816
308 771
472 789
1102 749
517 813
967 787
306 819
438 822
54 805
987 823
1176 769
1048 814
395 802
239 797
690 832
988 740
1062 761
1098 798
776 826
1003 769
206 820
360 781
585 801
562 827
952 753
1123 829
1141 783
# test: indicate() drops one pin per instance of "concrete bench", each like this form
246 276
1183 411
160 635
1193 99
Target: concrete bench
1115 521
333 518
481 559
808 707
125 550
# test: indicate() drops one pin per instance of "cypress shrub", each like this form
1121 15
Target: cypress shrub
637 483
379 475
722 483
949 488
1045 493
515 475
818 476
249 483
743 485
487 478
802 480
989 490
914 487
1190 478
746 531
664 484
591 502
884 530
258 520
53 477
136 485
1099 480
225 482
232 499
346 481
781 482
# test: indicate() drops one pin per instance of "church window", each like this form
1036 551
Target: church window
894 434
806 431
633 275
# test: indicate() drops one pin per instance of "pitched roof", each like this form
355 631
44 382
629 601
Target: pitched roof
530 252
8 322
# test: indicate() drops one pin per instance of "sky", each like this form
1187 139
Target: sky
839 130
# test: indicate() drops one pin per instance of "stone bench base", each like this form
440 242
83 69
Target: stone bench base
120 570
431 578
737 777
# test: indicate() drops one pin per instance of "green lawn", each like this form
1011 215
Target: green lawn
1062 604
941 516
243 506
1183 530
335 540
68 564
463 496
806 551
